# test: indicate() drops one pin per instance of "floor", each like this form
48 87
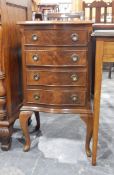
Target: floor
59 148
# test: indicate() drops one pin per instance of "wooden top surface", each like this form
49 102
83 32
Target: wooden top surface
102 26
103 30
103 33
54 22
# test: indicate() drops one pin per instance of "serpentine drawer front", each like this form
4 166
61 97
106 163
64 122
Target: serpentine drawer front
56 97
56 57
51 37
59 78
56 71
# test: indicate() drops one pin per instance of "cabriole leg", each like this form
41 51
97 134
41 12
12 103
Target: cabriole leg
24 117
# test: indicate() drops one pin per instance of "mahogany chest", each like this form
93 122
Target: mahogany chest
56 69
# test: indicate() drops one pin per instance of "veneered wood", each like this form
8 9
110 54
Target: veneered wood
67 37
56 57
56 97
52 85
57 78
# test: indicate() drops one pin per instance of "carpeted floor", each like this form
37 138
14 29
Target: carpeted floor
59 148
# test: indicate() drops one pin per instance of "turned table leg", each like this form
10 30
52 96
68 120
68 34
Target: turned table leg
88 119
24 117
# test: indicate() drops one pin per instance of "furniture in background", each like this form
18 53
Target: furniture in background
104 53
99 12
48 7
111 67
64 16
52 84
38 16
34 5
10 65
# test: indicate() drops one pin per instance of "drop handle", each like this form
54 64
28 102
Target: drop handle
74 77
36 77
35 57
34 37
36 97
74 37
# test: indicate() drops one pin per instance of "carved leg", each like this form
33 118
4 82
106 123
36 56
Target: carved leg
5 131
24 117
5 134
37 120
88 119
6 143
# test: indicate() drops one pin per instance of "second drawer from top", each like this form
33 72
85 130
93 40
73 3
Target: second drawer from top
56 57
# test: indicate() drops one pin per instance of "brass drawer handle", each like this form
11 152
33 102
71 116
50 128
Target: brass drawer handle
74 37
75 58
74 77
34 37
74 98
36 97
35 57
36 77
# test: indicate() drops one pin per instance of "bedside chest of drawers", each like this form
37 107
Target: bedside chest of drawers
56 71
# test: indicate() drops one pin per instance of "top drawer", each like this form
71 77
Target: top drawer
56 37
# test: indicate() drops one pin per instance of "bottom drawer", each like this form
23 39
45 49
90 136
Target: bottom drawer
56 97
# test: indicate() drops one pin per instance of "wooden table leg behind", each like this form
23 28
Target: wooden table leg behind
37 115
24 117
97 93
88 119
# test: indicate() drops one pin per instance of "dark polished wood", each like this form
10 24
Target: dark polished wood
61 82
10 65
56 97
68 37
57 78
70 57
100 26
